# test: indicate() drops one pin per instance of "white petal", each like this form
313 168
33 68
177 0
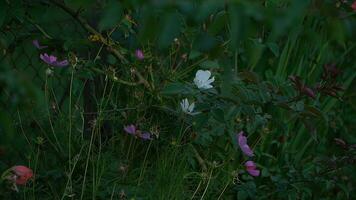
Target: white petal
184 104
191 107
203 75
198 83
210 80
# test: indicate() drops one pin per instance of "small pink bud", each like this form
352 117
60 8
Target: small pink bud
309 92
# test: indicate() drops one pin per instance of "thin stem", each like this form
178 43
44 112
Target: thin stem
87 161
71 172
196 190
113 192
227 184
70 126
35 171
144 164
207 185
49 115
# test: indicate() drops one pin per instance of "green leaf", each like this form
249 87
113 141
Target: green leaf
207 8
176 88
218 23
194 54
204 42
169 30
209 64
274 48
77 4
3 8
238 24
111 15
218 115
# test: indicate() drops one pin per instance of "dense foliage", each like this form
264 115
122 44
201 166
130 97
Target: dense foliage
182 99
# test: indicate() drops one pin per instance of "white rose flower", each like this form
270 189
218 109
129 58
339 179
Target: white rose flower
188 108
202 79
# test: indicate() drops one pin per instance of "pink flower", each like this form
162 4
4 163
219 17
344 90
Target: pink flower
132 130
52 60
37 44
251 168
145 136
242 141
139 54
353 6
21 174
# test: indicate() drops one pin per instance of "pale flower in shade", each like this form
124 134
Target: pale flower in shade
202 79
187 107
251 168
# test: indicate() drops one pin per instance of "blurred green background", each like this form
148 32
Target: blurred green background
67 123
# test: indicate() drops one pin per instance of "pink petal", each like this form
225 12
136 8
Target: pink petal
241 138
62 63
37 45
131 129
45 58
247 150
146 136
251 168
242 141
250 164
254 172
309 92
139 54
52 58
353 6
23 174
